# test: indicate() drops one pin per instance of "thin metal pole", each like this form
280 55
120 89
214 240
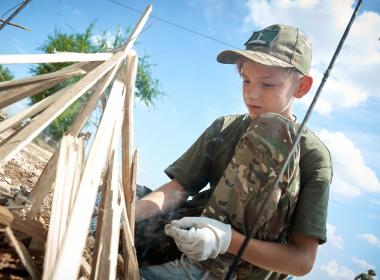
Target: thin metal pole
22 6
296 141
15 25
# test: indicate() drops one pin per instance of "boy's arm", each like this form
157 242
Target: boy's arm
201 238
295 258
164 199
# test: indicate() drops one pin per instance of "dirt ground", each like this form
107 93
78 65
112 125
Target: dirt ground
18 176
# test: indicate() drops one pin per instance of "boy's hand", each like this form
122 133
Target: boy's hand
200 238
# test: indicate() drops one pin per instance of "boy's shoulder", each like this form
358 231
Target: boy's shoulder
231 122
313 149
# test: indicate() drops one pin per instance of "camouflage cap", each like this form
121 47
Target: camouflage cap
371 272
275 45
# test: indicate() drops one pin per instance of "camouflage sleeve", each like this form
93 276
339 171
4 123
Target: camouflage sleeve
192 169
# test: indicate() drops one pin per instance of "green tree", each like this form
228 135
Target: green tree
147 87
5 74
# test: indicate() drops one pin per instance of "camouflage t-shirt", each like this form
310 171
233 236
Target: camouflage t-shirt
205 161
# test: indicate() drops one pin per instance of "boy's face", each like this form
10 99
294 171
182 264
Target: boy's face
267 89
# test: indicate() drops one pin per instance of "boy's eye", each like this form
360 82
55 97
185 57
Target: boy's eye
245 81
266 85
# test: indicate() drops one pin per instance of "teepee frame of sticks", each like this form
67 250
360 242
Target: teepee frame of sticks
76 175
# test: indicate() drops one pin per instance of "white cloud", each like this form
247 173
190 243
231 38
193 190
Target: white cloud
362 264
370 238
351 174
334 239
338 93
354 76
336 271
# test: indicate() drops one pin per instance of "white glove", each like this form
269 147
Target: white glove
200 238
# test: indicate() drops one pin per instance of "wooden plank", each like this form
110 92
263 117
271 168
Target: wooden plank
67 72
42 187
27 113
115 231
23 253
22 138
32 229
76 164
16 94
66 183
69 96
86 267
46 178
52 57
55 233
6 217
68 263
91 103
102 267
131 267
99 234
18 90
133 192
127 130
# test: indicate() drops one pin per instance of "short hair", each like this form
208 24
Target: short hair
291 71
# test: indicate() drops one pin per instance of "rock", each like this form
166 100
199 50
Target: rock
8 180
20 199
3 200
24 191
5 189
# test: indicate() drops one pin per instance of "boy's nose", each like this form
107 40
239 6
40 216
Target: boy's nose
253 93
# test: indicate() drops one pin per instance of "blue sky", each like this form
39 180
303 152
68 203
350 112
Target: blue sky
198 90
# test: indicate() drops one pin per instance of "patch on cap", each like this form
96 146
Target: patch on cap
263 37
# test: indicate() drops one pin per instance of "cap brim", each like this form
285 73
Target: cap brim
231 57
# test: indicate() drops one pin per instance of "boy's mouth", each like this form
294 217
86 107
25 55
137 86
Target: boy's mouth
254 107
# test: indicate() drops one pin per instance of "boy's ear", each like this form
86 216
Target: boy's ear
304 86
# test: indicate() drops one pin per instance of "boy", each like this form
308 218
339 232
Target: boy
239 156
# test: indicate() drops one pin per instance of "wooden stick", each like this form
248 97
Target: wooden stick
17 90
69 96
22 252
66 183
115 231
98 247
27 113
46 178
67 72
22 138
109 228
6 217
42 186
68 263
86 266
127 131
76 165
90 105
52 57
16 94
32 229
131 267
56 213
133 192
